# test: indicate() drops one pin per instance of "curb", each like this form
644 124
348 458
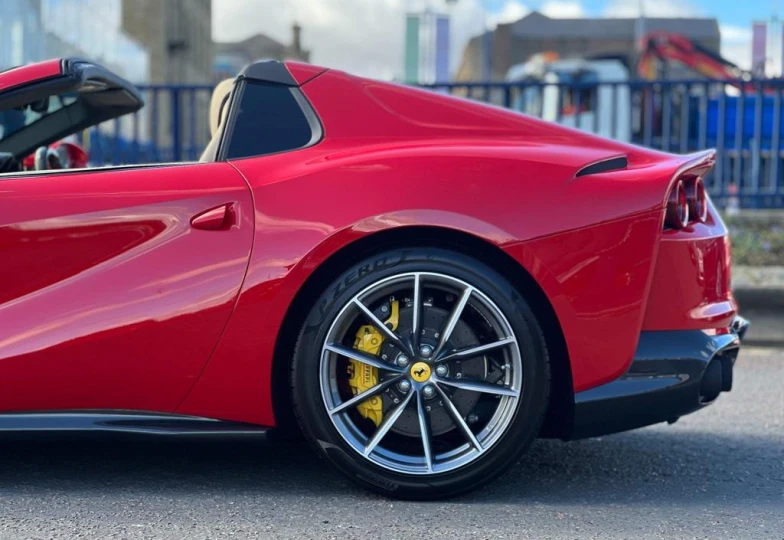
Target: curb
764 307
760 298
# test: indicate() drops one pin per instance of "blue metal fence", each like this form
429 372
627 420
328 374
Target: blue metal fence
171 127
743 120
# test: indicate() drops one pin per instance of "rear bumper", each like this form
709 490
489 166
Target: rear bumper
673 373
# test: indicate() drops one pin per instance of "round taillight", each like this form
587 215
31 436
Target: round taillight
678 207
698 201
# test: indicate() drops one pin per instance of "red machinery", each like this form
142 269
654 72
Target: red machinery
668 47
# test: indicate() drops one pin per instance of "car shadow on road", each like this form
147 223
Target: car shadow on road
650 466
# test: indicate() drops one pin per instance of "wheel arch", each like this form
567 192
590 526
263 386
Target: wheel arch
558 420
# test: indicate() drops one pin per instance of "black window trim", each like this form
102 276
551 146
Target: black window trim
314 122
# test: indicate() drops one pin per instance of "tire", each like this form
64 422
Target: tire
400 465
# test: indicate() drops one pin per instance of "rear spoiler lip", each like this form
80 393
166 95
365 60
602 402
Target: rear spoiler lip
703 160
697 160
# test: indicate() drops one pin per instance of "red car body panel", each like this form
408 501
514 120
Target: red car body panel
302 73
130 307
23 75
691 284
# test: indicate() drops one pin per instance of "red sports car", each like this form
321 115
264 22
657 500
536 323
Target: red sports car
420 284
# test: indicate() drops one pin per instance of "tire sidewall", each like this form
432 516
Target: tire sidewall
306 386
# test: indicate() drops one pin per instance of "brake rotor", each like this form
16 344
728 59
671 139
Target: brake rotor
474 368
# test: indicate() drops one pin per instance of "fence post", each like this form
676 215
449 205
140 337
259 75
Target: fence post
666 93
116 142
192 121
135 144
647 137
154 132
740 127
756 143
703 118
614 111
774 145
175 125
685 107
721 123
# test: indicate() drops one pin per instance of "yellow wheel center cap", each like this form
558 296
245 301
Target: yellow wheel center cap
420 372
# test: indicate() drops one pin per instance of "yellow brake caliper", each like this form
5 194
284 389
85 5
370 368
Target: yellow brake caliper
362 377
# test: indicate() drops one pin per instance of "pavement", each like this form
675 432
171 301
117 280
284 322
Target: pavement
718 473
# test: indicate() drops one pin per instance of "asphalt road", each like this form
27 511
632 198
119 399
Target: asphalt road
718 473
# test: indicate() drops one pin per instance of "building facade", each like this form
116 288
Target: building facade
92 29
35 30
145 41
176 33
509 44
20 33
178 37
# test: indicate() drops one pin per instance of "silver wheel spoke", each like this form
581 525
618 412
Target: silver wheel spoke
387 424
369 393
480 386
458 419
424 427
389 334
454 318
365 358
475 430
474 351
415 312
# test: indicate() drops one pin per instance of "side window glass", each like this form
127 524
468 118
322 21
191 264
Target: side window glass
268 120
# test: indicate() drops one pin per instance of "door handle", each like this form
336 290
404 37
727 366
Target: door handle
220 218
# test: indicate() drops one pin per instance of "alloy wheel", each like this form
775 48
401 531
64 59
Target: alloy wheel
444 376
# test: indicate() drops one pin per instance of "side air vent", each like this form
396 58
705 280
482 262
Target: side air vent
608 165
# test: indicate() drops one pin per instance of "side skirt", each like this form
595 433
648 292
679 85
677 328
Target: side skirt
122 422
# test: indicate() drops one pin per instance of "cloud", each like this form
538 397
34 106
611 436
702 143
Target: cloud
514 10
735 34
511 11
736 45
566 9
652 8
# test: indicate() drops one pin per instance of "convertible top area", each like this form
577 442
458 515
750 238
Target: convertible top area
45 102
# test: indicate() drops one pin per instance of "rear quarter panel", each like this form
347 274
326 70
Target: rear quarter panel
593 260
396 157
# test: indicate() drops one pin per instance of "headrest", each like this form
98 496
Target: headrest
220 98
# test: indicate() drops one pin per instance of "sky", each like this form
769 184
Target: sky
366 37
